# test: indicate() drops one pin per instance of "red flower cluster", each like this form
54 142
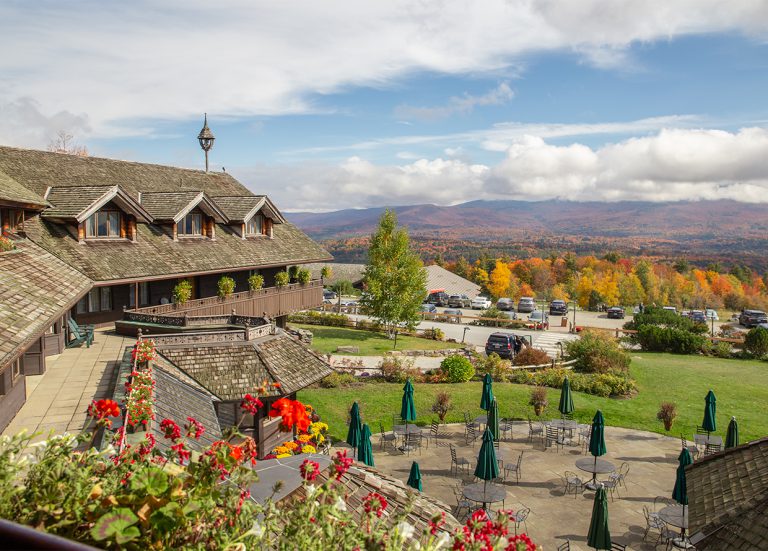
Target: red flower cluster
250 449
436 522
251 404
481 532
309 470
341 463
146 447
293 412
144 351
170 429
194 428
182 451
102 409
375 503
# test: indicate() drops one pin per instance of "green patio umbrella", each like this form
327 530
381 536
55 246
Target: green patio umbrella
599 536
680 491
414 479
355 426
493 419
408 407
597 438
566 398
364 448
709 424
487 397
487 466
732 437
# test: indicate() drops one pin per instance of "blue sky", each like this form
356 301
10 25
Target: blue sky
352 105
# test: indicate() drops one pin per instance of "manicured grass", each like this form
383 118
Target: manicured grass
741 388
370 343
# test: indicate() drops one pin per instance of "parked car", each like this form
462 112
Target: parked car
540 319
526 305
329 295
505 304
695 315
670 308
459 301
615 312
428 310
711 314
751 318
481 303
438 298
558 308
450 315
502 344
346 306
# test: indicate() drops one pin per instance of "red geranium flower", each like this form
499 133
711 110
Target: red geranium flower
375 502
309 470
101 410
341 463
251 404
293 412
194 428
170 429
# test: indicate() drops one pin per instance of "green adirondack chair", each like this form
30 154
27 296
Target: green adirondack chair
80 334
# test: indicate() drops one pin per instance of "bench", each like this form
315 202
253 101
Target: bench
81 333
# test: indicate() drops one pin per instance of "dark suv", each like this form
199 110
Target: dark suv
615 312
459 301
751 318
438 299
502 344
558 308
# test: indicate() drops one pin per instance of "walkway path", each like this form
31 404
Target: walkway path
58 399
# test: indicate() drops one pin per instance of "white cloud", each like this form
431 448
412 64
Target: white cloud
672 165
120 62
461 105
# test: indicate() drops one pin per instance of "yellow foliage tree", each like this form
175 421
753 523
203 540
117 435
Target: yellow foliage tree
499 280
559 293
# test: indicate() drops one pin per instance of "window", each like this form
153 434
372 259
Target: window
143 294
255 225
97 300
191 225
15 369
105 223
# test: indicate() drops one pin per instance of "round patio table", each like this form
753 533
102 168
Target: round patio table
563 424
601 466
481 419
485 492
677 515
401 431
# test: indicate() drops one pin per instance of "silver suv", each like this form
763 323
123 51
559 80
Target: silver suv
526 305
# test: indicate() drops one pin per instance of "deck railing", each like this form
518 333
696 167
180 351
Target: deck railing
270 302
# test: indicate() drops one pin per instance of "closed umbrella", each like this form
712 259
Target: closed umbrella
487 396
408 407
732 437
355 426
680 491
599 536
710 408
364 448
487 466
566 398
493 419
414 479
597 440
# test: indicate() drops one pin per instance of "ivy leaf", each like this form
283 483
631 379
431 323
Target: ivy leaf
153 481
118 524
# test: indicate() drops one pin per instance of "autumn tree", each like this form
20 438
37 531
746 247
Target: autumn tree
394 277
499 280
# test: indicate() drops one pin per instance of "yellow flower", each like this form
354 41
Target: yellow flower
308 449
282 455
304 438
290 445
319 438
317 428
281 450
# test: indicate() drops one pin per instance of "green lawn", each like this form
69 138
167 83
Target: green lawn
370 343
741 388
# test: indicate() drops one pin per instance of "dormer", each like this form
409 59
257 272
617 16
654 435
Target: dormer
250 216
191 214
98 212
17 203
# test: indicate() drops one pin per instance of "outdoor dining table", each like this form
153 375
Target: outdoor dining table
402 430
708 440
563 424
601 466
485 492
481 419
676 516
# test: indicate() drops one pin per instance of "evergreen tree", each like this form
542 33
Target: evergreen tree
394 277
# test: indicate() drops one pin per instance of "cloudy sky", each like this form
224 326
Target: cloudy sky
331 104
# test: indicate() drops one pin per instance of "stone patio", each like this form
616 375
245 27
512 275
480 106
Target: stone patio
58 399
554 517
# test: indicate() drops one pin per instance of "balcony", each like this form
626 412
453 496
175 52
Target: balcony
270 302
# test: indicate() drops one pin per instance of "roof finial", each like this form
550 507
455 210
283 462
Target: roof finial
206 139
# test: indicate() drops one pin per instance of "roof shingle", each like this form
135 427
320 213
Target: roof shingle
11 190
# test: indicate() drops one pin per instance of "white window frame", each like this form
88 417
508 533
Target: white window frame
250 225
181 228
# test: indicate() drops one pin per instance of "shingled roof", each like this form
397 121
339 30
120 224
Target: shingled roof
229 371
11 190
173 206
728 498
36 289
242 208
78 203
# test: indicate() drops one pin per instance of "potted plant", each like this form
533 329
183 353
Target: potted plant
281 279
226 286
182 292
667 413
255 282
326 272
539 399
442 405
303 275
293 272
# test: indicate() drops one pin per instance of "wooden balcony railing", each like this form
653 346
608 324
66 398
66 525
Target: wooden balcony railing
271 302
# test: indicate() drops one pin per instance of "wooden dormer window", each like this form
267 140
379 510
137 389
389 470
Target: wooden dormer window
104 224
191 225
255 225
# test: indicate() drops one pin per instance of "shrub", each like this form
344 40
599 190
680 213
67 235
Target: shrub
226 286
538 399
336 380
722 349
654 338
498 369
395 369
756 342
499 319
182 292
600 384
313 317
326 272
531 356
434 333
457 368
303 275
596 352
442 405
293 272
667 413
282 279
255 282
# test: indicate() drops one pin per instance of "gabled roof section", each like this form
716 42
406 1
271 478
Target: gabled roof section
243 208
724 490
173 206
79 203
36 289
13 192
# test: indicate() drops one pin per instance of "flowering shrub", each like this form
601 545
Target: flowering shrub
144 351
6 244
139 402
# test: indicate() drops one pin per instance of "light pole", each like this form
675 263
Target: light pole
464 335
574 316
